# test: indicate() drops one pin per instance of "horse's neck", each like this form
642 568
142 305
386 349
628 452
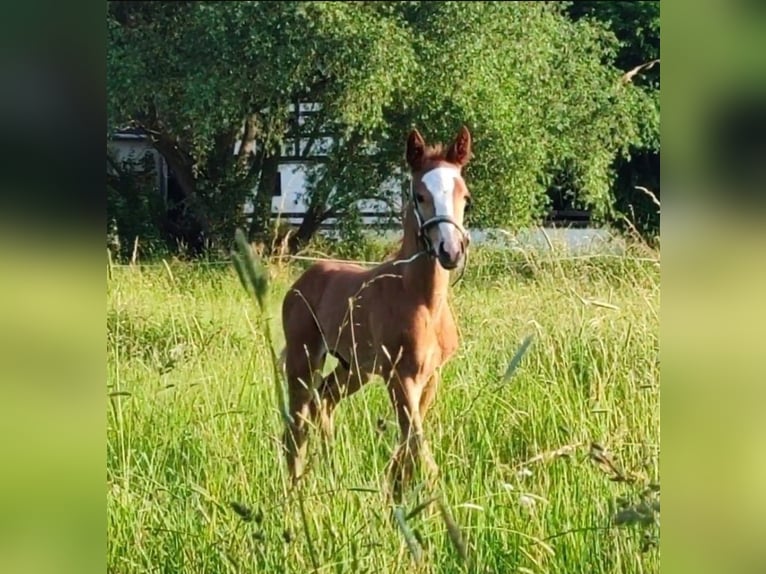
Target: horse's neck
424 279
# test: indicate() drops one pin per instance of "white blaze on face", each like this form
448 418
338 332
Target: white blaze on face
440 183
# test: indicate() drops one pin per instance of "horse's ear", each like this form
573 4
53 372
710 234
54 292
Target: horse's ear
416 149
459 152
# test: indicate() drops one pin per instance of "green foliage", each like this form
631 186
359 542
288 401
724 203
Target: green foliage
636 25
193 450
250 270
196 72
132 209
358 247
538 91
254 277
538 88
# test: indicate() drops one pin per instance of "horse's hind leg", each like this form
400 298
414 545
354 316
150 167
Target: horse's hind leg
302 365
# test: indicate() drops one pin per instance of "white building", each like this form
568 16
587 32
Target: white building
288 201
133 146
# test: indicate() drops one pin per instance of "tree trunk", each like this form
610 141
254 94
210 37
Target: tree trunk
182 168
259 225
247 149
308 227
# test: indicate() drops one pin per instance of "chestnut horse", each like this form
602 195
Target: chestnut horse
392 320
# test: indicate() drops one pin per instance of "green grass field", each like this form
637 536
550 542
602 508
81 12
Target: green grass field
193 427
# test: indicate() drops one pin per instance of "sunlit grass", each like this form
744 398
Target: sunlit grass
196 481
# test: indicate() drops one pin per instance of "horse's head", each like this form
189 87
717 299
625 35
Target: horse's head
439 195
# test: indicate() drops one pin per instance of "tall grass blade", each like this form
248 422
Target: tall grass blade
253 267
254 278
513 365
239 267
409 536
419 508
453 530
307 532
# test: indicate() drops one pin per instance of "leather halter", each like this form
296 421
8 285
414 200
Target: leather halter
425 225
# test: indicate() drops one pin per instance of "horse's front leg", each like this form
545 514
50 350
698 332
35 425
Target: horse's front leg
426 400
406 393
429 393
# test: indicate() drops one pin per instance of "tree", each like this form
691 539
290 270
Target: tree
636 26
185 73
539 91
201 76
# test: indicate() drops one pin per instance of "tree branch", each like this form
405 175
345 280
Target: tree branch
627 77
181 164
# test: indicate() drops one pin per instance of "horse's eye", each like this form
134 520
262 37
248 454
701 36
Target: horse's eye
420 198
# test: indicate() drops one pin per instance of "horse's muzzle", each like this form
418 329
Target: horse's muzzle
450 258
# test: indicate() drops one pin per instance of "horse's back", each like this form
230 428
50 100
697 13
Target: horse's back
324 286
